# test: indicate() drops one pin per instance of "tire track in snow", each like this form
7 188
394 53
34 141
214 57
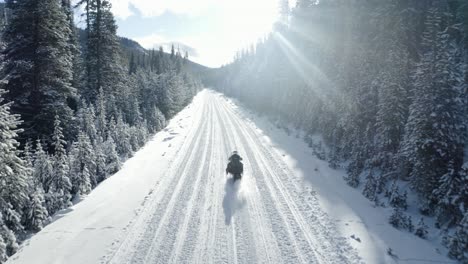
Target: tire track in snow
119 251
188 233
320 231
302 240
173 226
264 247
142 230
183 221
243 229
222 238
262 223
284 236
205 236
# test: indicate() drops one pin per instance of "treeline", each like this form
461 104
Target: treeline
384 82
73 108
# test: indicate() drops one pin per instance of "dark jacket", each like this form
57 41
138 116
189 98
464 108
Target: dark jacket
235 165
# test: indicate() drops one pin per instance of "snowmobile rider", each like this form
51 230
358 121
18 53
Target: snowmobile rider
235 166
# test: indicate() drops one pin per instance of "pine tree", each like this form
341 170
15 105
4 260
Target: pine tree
112 158
396 199
28 155
103 51
101 173
13 178
3 246
43 170
132 64
393 107
160 119
101 114
35 212
88 55
81 159
134 141
61 186
39 64
458 243
73 46
87 118
121 135
434 134
370 188
421 229
398 219
8 241
172 97
142 133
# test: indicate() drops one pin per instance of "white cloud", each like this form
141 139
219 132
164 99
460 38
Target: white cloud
150 41
238 24
155 41
149 8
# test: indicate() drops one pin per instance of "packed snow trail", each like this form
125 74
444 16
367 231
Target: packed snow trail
198 215
172 203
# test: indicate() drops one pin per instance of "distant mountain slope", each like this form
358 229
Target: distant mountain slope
130 46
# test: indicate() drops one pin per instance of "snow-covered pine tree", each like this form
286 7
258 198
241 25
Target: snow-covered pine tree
3 246
73 46
370 188
354 170
396 199
134 116
43 171
112 158
8 241
458 243
35 212
28 155
142 133
103 51
392 109
87 117
409 224
160 119
452 192
134 138
13 177
111 108
121 136
61 185
398 219
434 130
101 173
101 114
421 229
39 64
81 159
172 97
132 67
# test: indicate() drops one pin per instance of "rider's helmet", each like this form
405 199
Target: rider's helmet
234 152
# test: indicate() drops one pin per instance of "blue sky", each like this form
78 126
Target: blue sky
210 30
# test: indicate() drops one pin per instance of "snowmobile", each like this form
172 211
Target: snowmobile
235 166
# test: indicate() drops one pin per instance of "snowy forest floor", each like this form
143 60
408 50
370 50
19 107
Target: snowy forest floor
172 203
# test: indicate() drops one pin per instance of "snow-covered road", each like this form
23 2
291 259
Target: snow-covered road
172 203
197 215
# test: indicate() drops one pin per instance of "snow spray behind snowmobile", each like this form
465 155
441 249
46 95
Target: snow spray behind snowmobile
235 166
